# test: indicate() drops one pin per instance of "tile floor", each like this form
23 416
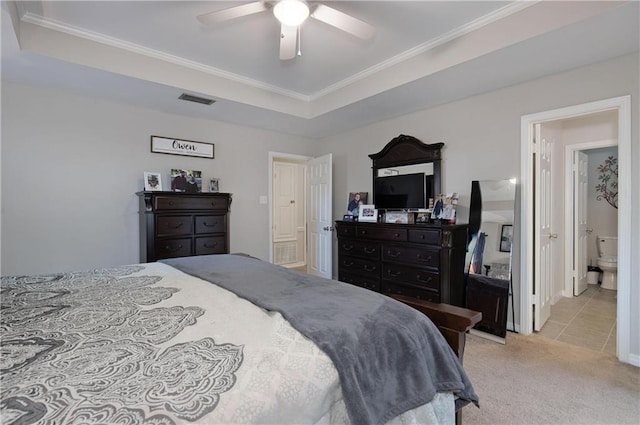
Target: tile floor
588 320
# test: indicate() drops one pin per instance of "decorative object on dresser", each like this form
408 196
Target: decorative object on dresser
367 213
214 185
186 180
355 200
423 261
152 181
179 224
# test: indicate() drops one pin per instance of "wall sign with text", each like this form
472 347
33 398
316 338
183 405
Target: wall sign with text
181 147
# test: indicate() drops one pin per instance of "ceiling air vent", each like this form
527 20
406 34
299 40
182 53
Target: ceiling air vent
196 99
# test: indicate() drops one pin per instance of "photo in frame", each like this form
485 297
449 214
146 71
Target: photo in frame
368 213
214 185
186 180
355 200
152 181
506 238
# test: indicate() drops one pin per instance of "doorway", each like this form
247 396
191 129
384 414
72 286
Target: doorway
530 198
300 212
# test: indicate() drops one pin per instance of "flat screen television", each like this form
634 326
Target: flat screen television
404 191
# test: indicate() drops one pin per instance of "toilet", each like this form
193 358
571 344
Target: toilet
608 261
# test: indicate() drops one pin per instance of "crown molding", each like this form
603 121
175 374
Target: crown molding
54 25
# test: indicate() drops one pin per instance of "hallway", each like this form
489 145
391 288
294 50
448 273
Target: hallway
588 320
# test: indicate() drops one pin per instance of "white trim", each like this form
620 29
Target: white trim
569 151
623 105
106 40
274 156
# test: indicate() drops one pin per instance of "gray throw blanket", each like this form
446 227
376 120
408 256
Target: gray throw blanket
390 358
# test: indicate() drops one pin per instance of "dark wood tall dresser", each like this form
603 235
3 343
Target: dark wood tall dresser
423 261
180 224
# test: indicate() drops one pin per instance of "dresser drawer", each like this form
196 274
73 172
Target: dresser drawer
364 282
173 225
191 203
423 278
410 291
345 230
365 249
382 234
359 266
211 245
211 223
170 248
411 254
431 236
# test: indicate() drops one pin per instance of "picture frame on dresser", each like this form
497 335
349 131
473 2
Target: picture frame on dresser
368 213
152 182
214 185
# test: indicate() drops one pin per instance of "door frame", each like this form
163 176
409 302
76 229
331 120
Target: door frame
623 105
569 152
277 156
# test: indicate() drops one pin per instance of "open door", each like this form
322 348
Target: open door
320 222
580 177
543 243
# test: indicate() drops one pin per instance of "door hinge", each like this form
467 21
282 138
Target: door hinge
536 299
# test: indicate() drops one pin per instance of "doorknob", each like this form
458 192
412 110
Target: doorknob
589 230
553 236
328 228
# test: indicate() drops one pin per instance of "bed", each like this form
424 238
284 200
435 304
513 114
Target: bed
221 339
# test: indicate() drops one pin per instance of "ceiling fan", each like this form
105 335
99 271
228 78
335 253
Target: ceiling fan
291 14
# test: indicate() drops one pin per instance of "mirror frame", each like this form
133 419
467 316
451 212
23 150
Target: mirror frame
407 150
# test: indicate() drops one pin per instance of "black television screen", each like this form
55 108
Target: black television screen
405 191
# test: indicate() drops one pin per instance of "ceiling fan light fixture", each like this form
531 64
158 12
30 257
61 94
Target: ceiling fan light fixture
291 12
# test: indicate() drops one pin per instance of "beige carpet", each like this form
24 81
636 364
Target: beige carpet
533 380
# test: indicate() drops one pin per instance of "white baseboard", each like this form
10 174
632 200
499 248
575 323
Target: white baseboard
634 359
488 336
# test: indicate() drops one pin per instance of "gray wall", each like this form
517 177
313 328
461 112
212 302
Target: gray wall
482 142
71 167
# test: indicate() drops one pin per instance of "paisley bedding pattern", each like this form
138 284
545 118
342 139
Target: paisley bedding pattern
80 347
149 344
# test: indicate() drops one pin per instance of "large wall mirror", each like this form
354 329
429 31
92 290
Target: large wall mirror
406 155
491 231
491 219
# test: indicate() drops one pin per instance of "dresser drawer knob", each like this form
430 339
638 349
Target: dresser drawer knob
369 268
428 280
369 250
179 225
393 254
349 264
347 247
363 232
392 274
168 248
206 245
421 258
397 235
205 224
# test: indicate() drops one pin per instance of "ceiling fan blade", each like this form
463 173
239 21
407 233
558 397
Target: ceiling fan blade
288 42
232 13
342 21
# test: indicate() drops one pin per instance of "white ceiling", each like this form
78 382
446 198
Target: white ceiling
424 53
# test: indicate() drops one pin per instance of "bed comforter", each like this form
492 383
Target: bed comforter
148 343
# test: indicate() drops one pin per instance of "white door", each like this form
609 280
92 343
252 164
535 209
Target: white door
284 196
319 195
544 236
580 167
289 241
